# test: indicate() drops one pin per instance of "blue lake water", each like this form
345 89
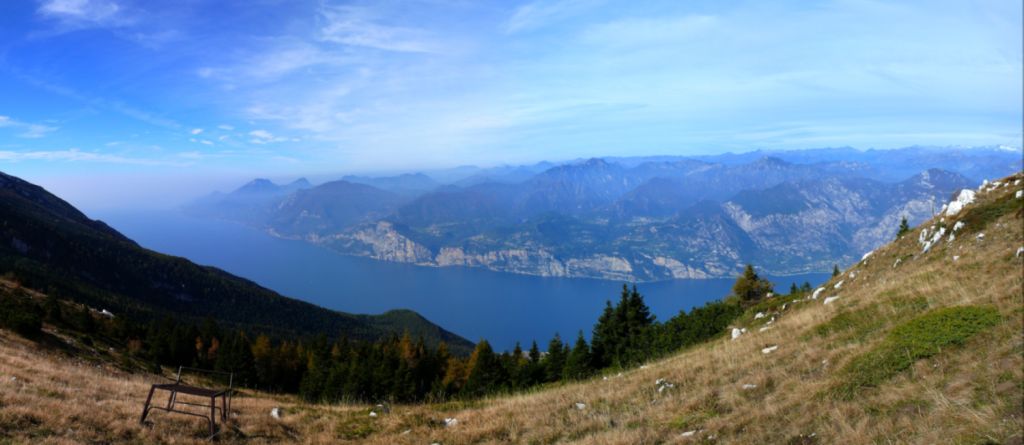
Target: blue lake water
474 303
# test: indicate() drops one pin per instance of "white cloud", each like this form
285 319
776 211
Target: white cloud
81 14
75 155
196 131
538 14
264 137
356 26
226 127
28 130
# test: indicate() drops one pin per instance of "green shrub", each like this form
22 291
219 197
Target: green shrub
915 339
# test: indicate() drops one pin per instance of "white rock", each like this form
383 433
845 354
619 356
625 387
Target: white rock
1020 251
853 274
749 386
275 412
759 315
817 292
373 414
956 257
580 405
1017 182
769 295
107 313
450 421
866 255
1019 194
764 328
923 236
689 433
981 236
831 299
897 263
965 197
838 285
743 330
952 236
736 333
769 349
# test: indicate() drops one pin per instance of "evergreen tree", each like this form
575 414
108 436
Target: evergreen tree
485 372
793 290
749 287
806 287
578 364
835 270
554 361
904 228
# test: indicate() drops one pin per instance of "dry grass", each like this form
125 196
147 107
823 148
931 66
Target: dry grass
971 394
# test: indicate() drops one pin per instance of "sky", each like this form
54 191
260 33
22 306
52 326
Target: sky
127 102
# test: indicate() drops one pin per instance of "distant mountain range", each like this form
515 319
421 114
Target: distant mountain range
48 245
634 219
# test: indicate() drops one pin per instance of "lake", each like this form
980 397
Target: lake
474 303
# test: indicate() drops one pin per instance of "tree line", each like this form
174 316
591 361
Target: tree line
397 368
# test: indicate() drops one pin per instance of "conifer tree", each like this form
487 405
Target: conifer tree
904 228
554 361
485 372
749 287
578 364
793 290
835 270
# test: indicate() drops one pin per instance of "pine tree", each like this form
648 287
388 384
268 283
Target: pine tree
904 228
554 361
749 287
793 290
806 287
485 372
835 270
578 364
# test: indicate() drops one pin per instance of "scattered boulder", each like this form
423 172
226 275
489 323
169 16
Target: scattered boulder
107 313
663 384
736 333
759 315
373 414
956 257
831 299
764 328
580 405
769 349
959 225
450 422
749 386
838 285
897 263
981 236
688 433
276 413
1020 251
866 255
818 291
1019 194
965 197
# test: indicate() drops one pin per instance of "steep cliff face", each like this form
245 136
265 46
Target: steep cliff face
637 220
792 227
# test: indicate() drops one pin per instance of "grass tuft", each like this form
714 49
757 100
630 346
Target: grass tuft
918 338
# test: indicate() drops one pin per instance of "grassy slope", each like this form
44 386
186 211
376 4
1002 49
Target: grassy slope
965 388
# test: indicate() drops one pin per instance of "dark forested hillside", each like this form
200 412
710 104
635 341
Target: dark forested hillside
47 244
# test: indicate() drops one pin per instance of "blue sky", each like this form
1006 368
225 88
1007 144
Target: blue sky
122 101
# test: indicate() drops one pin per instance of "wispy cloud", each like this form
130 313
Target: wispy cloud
77 155
541 13
83 13
27 130
360 26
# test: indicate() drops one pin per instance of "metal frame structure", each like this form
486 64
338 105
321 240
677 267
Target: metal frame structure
178 387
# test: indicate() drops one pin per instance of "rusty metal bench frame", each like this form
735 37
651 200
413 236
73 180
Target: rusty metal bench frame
178 387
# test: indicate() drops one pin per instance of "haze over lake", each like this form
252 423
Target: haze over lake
474 303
